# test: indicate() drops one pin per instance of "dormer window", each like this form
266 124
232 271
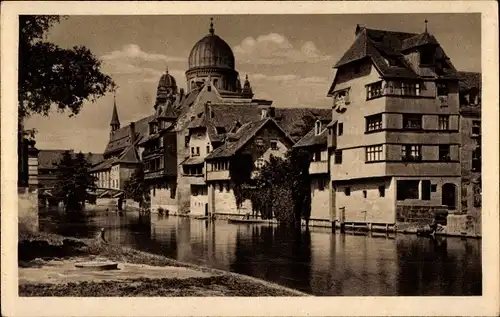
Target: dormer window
263 114
317 127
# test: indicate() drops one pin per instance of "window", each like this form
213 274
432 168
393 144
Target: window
172 191
381 191
433 188
186 141
347 191
197 150
338 157
409 89
208 149
407 189
426 190
192 151
216 83
444 122
412 121
442 89
411 152
374 90
317 127
274 145
322 183
341 129
221 186
259 163
444 153
374 123
209 88
317 155
365 193
374 153
259 142
477 195
476 160
476 128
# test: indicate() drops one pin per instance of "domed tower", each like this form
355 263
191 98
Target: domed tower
167 89
212 59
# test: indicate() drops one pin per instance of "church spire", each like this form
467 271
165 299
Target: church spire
211 30
426 21
115 122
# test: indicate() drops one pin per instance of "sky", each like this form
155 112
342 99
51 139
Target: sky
288 59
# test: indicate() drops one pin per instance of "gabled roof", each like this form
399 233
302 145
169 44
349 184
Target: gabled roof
130 155
469 80
195 160
311 139
385 49
106 164
236 141
120 139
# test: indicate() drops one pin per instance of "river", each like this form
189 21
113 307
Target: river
315 261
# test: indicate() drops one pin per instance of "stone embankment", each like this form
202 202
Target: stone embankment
47 268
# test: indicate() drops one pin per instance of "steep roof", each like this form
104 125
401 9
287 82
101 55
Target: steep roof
385 49
469 80
246 132
311 139
114 117
129 155
120 139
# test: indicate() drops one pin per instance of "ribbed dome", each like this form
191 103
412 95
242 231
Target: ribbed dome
211 51
167 80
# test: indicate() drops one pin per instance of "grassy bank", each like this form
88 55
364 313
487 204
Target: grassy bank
35 248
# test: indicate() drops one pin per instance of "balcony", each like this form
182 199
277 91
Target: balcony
157 174
218 175
318 167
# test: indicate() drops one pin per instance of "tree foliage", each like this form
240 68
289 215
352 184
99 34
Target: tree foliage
281 189
73 179
136 188
51 75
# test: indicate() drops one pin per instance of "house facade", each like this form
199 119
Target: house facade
316 143
395 141
470 134
187 127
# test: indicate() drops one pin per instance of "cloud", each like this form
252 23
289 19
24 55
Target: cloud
134 52
133 65
276 49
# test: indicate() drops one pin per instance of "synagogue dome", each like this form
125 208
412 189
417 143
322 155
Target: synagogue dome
211 51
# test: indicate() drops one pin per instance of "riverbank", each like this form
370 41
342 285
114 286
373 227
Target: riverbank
46 268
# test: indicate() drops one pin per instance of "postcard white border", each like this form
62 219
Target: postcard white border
488 304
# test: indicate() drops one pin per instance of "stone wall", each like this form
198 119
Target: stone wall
320 198
225 201
162 197
463 225
420 215
27 210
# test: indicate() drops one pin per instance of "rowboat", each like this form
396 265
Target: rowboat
201 217
247 221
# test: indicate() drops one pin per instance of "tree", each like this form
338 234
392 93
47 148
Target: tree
51 75
136 188
73 180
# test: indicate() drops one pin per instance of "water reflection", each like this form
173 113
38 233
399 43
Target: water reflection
314 261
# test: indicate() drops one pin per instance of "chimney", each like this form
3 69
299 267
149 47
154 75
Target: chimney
358 29
181 94
132 132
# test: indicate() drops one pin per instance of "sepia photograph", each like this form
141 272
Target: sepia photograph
252 155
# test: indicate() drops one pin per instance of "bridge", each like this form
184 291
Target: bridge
99 192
